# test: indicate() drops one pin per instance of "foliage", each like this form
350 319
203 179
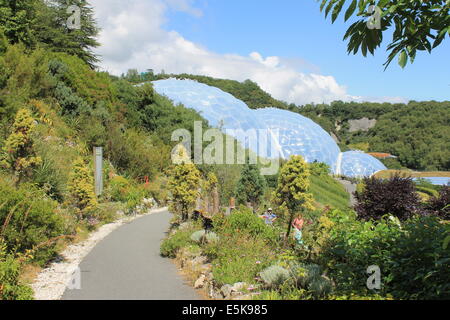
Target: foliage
274 276
180 239
29 220
18 153
293 185
183 184
11 287
410 255
414 132
251 185
418 25
440 204
16 20
396 196
245 222
51 31
81 188
202 236
198 236
327 191
238 258
42 23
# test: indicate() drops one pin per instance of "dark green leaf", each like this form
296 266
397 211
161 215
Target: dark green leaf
350 10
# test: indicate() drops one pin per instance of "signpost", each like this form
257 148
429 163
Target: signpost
98 170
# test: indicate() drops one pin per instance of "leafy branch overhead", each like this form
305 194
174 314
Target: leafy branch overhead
418 25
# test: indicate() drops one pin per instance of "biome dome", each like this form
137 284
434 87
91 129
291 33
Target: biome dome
297 135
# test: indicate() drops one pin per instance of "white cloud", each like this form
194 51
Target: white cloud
133 37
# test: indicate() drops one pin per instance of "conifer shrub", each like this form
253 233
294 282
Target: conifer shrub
81 188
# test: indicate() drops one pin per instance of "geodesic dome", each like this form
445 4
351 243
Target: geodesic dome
358 164
292 133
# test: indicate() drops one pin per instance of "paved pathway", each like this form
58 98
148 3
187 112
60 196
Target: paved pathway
127 265
350 188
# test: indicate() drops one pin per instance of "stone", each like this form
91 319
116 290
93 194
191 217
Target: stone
200 282
238 286
226 290
199 260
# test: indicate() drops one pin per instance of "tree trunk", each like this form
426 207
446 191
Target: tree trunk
291 218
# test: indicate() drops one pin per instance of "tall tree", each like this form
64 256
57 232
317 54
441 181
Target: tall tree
52 31
418 25
251 185
292 193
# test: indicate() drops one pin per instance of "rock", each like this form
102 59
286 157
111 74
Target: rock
200 282
209 275
226 290
199 260
238 286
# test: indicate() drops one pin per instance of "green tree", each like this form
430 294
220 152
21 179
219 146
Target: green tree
183 184
17 19
292 193
418 25
51 29
251 185
18 153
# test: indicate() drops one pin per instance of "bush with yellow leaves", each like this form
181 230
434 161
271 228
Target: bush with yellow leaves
81 189
18 154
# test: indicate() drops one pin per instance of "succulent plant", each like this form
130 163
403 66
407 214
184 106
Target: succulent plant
274 276
198 236
320 286
212 237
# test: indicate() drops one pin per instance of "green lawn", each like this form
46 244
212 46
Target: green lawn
327 191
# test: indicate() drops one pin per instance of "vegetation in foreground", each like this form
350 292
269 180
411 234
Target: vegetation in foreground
405 235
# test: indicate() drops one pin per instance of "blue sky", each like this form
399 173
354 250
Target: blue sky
310 64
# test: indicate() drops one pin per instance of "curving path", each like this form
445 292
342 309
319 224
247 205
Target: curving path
127 265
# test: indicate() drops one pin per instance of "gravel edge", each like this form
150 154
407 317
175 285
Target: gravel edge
51 282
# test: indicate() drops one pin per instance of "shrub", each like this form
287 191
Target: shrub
10 286
274 276
410 254
320 287
396 196
238 258
29 220
201 235
440 204
198 235
212 237
179 239
81 188
244 221
18 154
